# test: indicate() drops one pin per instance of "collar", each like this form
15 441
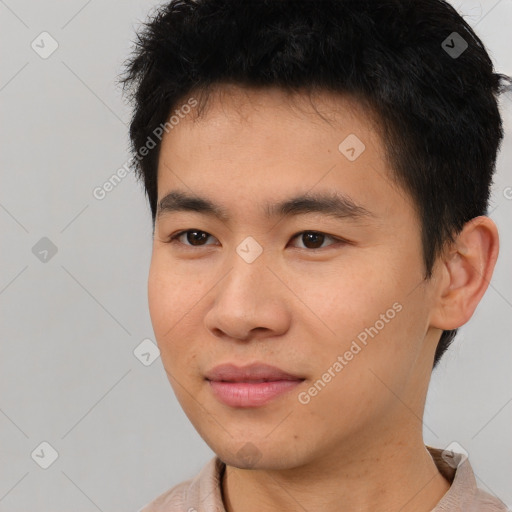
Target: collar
203 493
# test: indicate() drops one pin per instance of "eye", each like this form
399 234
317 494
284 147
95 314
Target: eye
194 237
314 239
197 238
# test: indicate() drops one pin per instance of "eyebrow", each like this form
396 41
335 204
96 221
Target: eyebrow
333 204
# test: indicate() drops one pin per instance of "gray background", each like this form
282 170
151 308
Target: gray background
70 324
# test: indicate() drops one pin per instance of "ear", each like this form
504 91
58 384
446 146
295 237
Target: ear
464 273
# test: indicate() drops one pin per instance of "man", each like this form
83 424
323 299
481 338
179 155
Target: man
318 174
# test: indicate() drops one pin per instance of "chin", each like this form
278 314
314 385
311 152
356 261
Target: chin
249 455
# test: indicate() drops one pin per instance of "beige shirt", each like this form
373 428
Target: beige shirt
203 492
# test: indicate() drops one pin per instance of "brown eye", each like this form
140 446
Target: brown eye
313 239
192 237
310 239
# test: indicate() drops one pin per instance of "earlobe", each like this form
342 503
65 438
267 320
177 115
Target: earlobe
466 269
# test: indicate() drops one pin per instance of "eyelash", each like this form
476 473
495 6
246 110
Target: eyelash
173 239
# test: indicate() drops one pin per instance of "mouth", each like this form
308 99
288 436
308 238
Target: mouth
252 381
250 394
250 386
256 372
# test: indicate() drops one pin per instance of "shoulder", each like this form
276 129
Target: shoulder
485 502
464 494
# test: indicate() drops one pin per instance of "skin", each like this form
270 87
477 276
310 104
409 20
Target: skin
359 441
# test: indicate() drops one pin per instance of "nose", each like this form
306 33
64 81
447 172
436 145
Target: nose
250 302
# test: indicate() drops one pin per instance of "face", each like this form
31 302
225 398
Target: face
333 298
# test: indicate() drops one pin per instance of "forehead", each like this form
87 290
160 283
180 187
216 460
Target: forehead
253 143
230 119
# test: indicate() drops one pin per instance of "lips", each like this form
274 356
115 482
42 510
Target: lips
250 386
253 373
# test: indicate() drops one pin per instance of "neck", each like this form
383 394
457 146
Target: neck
392 476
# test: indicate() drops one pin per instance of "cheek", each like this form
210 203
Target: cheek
171 300
170 290
371 307
347 298
162 298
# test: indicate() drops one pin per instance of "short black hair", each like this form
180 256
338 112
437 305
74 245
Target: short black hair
437 109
